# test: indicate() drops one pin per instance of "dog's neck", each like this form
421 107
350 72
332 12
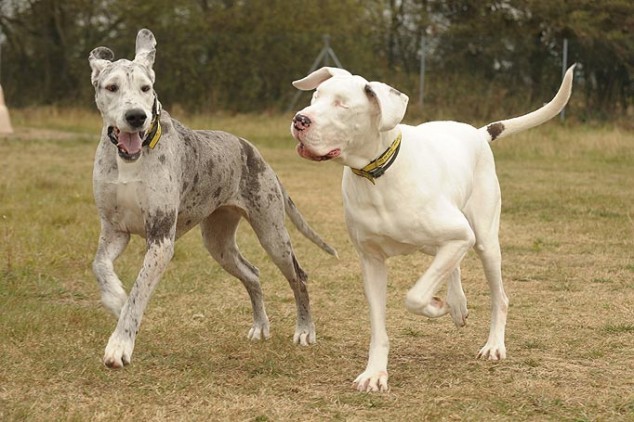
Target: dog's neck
370 149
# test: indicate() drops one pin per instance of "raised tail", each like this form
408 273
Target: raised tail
497 130
301 224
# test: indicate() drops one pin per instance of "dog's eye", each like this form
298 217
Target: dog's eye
112 87
145 88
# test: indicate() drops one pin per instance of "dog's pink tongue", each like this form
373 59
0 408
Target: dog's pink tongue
130 142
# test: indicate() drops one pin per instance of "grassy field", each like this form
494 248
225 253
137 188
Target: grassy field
567 237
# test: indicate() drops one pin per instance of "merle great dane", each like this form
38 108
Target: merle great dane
156 178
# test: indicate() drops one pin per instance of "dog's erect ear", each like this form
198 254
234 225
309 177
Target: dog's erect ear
145 48
313 80
392 104
99 58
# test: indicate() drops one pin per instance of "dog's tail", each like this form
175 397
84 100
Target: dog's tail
301 224
497 130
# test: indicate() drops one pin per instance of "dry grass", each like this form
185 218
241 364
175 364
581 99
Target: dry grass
567 237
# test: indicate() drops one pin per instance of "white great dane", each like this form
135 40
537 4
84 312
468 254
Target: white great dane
155 178
431 187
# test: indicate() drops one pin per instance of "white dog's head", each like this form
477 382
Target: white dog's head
125 95
345 112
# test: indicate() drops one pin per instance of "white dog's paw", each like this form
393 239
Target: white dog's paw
118 352
305 335
372 381
434 308
259 331
492 351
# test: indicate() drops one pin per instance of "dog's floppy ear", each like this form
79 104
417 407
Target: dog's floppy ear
145 48
313 80
392 104
99 58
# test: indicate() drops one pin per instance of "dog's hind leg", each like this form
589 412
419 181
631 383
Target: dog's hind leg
491 258
111 244
483 211
270 229
488 250
219 236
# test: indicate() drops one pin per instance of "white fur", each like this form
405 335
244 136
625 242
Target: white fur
440 196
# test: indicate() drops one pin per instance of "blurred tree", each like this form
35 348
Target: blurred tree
241 55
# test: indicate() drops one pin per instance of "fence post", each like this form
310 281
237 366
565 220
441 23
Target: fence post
323 57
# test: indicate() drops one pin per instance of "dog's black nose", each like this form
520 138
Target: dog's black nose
301 122
135 117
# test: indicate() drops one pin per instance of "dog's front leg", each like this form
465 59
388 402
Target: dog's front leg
160 249
421 300
374 378
111 244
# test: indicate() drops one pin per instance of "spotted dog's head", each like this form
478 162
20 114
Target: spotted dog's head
125 95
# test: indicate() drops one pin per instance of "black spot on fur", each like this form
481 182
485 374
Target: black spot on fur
253 166
495 129
159 225
162 158
209 167
303 277
291 204
254 162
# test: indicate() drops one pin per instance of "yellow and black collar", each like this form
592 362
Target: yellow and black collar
377 168
154 134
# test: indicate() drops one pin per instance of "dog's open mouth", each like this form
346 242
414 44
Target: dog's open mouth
305 153
128 144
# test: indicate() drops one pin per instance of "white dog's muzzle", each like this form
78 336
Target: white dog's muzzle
301 123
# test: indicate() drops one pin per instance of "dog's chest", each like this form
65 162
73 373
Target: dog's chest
130 196
121 195
392 222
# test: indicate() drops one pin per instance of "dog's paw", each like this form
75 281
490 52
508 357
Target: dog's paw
434 308
259 331
118 352
305 335
492 352
372 381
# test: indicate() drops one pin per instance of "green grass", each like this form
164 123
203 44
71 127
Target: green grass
567 237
